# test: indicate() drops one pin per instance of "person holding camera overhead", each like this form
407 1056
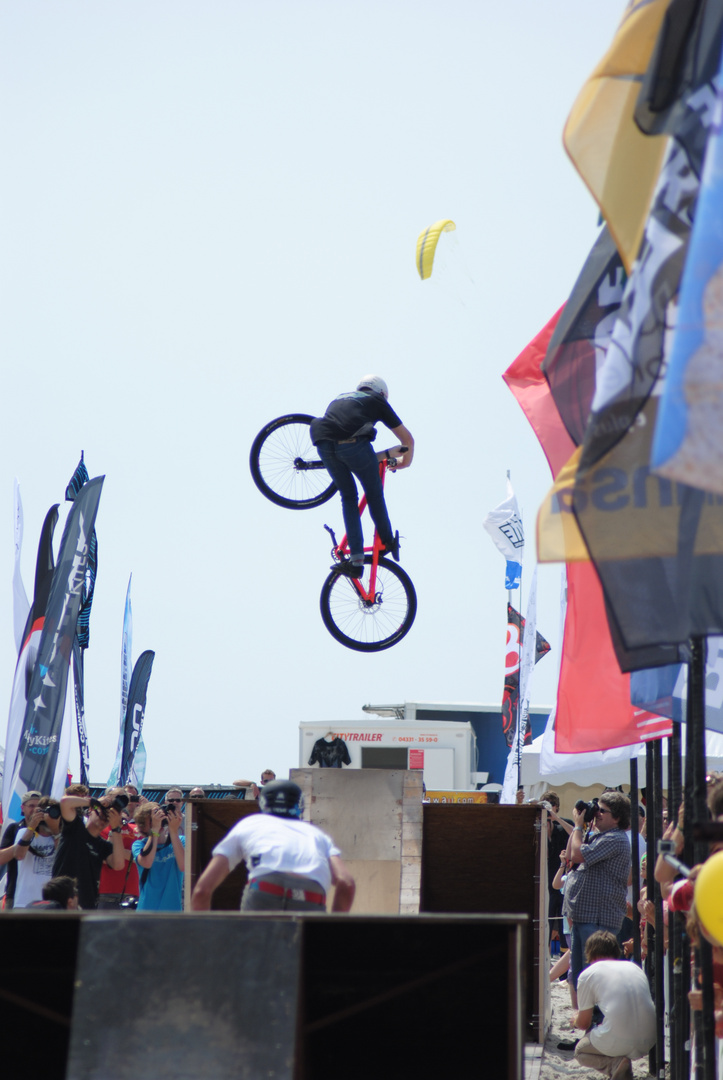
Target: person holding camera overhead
160 854
596 894
81 849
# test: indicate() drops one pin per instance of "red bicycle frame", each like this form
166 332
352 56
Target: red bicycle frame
341 550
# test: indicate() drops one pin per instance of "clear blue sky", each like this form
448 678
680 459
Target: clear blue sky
210 218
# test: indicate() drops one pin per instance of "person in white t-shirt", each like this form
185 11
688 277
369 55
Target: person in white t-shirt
621 992
35 852
291 864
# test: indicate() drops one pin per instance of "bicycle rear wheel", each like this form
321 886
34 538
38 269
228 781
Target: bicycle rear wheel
286 467
369 626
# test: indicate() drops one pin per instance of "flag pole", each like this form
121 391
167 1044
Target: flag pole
697 849
519 652
518 706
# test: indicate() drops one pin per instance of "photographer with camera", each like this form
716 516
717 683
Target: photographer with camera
82 850
33 849
596 895
160 854
8 846
119 888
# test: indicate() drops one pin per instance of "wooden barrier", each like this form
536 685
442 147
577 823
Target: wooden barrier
237 996
493 859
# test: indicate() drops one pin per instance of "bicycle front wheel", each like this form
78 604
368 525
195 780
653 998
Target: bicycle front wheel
375 624
286 467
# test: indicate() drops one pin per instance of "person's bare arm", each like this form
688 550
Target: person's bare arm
217 871
664 872
576 836
27 834
583 1019
117 859
345 885
561 871
406 439
174 824
70 803
148 852
561 821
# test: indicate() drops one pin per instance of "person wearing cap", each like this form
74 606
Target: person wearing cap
343 437
35 851
26 828
291 863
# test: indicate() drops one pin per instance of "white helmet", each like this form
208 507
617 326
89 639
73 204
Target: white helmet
375 383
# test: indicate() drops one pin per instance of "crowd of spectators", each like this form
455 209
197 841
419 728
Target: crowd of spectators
121 851
594 881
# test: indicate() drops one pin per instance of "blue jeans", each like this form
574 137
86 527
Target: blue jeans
344 461
580 933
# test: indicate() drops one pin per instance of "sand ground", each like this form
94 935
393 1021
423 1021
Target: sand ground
561 1063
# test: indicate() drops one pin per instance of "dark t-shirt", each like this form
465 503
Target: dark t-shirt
555 845
81 856
330 755
354 415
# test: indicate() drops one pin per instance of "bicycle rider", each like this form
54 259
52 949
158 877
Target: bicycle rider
343 438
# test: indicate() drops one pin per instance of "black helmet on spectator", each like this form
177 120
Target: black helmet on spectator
282 798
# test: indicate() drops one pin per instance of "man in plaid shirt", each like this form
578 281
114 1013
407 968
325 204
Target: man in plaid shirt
596 893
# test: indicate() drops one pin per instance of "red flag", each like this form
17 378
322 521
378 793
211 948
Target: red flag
526 381
593 697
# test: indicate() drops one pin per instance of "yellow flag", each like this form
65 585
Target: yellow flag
618 163
558 537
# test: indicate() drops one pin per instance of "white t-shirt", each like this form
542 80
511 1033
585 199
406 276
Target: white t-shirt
34 871
621 991
269 844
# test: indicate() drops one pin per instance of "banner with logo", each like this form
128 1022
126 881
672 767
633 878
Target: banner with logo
134 713
504 525
41 761
28 651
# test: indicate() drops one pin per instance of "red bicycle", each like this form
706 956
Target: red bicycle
367 614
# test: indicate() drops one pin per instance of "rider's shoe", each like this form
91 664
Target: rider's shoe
348 569
393 548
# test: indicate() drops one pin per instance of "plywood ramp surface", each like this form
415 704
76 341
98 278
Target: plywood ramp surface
375 818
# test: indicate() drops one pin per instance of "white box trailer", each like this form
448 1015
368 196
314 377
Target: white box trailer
445 751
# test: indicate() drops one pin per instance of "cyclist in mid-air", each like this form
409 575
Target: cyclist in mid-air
343 438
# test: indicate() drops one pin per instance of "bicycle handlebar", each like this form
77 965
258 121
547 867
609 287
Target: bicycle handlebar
391 454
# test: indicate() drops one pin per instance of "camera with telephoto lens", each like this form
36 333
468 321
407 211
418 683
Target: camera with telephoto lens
119 803
588 808
50 811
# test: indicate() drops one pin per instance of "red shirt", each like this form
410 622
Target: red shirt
116 881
